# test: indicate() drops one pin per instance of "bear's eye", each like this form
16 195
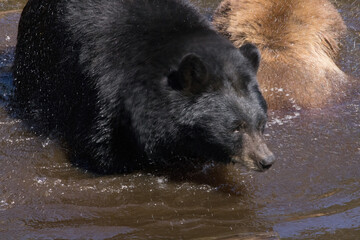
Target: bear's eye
240 127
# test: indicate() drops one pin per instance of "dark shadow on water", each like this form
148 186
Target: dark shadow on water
226 178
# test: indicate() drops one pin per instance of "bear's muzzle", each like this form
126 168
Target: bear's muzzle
255 154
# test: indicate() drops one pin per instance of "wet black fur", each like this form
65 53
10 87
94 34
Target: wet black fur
105 76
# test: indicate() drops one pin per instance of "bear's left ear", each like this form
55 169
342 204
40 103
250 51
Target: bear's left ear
192 75
252 53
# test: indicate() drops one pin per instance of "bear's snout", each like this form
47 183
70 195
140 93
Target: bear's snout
259 152
255 154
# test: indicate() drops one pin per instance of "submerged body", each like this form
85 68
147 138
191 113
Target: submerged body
128 83
298 41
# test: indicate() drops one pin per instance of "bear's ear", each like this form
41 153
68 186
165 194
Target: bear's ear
192 75
251 52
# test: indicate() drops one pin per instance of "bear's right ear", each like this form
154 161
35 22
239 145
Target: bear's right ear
252 53
192 75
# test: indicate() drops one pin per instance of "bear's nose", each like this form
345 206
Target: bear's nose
267 162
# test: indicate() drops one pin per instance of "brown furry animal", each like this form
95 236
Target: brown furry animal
298 40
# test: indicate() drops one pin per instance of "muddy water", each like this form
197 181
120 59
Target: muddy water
313 191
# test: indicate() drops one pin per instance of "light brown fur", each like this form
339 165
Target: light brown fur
298 40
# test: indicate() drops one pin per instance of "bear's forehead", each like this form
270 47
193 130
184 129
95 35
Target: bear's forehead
242 105
230 65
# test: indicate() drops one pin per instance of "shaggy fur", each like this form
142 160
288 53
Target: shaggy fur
134 83
298 40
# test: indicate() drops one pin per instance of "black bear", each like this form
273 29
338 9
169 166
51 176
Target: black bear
127 83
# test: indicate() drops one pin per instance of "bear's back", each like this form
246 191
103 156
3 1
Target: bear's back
298 41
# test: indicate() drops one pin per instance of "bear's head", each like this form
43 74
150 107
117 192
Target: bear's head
217 110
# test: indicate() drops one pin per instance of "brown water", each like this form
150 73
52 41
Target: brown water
312 192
